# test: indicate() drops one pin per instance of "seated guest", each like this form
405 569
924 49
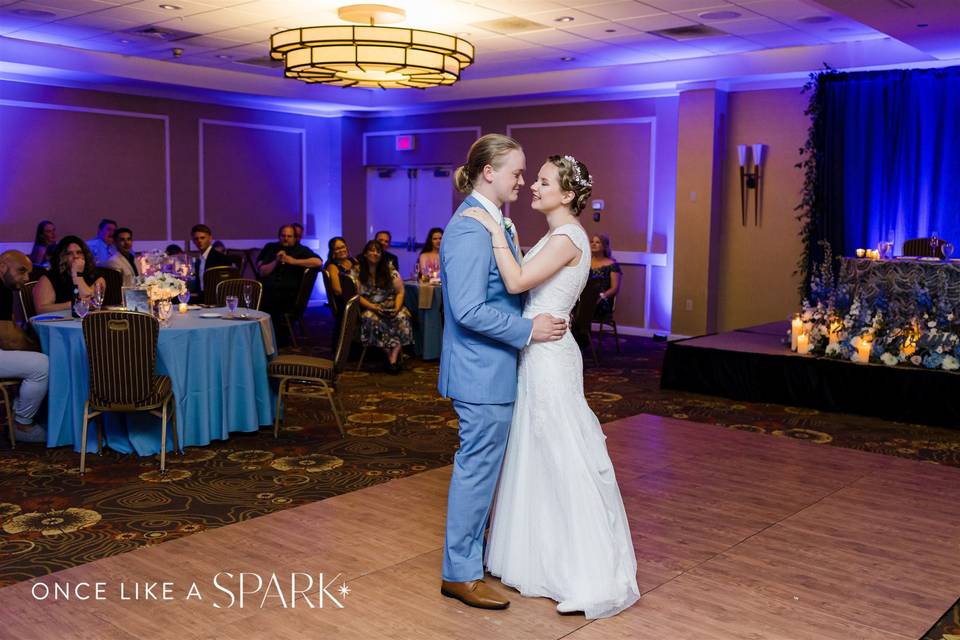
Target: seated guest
125 260
339 264
429 260
384 322
606 270
281 266
43 243
173 250
202 238
102 246
297 231
385 238
70 277
19 353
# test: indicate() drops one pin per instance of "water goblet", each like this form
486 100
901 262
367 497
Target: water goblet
82 308
96 301
247 295
164 311
232 302
947 250
184 296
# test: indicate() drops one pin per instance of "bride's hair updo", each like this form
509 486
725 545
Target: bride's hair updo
574 177
488 149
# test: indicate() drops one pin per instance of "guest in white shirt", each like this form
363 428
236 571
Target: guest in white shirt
102 246
125 260
202 238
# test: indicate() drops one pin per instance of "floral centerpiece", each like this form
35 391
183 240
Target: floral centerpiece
839 324
163 286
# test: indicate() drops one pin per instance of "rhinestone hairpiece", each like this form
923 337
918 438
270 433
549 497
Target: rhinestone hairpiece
577 175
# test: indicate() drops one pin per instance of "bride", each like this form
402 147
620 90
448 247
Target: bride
558 527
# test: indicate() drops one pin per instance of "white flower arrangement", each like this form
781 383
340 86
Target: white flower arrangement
163 286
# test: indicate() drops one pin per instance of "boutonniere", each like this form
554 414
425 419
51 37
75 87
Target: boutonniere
508 226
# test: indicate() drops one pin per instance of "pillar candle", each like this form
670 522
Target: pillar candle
864 351
803 344
796 327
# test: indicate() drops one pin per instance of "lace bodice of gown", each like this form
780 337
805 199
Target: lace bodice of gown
559 294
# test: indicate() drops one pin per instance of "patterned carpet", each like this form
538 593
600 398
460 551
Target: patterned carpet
52 519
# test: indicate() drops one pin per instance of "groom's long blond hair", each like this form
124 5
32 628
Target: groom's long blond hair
489 149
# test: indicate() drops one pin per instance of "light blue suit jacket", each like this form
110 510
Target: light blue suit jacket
483 329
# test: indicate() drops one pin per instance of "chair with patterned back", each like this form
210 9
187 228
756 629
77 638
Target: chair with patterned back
122 357
8 387
295 314
581 325
923 247
316 373
26 300
113 294
234 287
214 276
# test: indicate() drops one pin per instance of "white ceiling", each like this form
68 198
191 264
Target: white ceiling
607 44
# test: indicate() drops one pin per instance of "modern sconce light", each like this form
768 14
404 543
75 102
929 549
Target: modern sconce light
751 177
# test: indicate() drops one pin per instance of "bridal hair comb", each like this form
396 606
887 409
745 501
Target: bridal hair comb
577 175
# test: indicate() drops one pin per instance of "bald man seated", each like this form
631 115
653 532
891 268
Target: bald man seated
20 355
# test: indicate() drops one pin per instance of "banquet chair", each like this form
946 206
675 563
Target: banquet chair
122 357
8 386
921 247
318 374
295 314
582 324
234 287
113 294
331 296
214 276
26 300
607 319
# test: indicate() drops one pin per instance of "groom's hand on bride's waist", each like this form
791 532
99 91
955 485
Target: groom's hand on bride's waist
547 328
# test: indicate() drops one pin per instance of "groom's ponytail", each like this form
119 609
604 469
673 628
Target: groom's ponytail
488 149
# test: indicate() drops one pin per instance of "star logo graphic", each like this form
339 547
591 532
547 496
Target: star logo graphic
344 590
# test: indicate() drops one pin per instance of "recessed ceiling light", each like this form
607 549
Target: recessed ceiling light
170 7
815 19
568 58
564 19
124 41
224 57
610 30
35 13
923 25
720 15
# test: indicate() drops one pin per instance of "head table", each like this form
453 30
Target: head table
217 368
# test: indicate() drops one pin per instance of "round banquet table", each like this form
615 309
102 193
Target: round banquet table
427 312
217 368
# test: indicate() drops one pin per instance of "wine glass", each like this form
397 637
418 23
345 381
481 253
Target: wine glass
82 308
232 302
98 292
184 296
934 243
247 295
947 249
164 310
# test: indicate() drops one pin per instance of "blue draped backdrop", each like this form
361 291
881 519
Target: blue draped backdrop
890 163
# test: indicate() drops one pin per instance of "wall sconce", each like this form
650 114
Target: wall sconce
751 177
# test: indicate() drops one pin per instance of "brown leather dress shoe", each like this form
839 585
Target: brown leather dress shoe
475 593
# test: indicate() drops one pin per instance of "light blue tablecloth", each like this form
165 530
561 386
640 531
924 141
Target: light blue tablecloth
427 323
218 370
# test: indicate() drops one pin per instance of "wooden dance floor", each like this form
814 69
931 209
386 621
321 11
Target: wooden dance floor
738 535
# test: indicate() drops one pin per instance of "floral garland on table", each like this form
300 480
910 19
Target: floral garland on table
837 324
163 286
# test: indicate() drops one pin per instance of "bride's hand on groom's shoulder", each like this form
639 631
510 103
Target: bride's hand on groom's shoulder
484 218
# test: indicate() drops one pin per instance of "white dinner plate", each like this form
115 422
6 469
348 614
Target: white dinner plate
210 315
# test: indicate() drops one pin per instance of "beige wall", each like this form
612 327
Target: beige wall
757 284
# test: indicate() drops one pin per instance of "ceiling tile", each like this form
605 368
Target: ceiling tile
656 22
619 10
549 18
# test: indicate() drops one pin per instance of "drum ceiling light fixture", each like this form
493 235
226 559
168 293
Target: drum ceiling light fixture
370 55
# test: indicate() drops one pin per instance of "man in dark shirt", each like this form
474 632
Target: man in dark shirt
19 353
202 238
384 239
281 266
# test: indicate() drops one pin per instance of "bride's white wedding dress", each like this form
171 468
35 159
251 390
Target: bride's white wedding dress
558 527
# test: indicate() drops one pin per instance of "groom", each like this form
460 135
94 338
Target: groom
482 336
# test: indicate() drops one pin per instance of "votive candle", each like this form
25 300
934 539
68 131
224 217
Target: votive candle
183 307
